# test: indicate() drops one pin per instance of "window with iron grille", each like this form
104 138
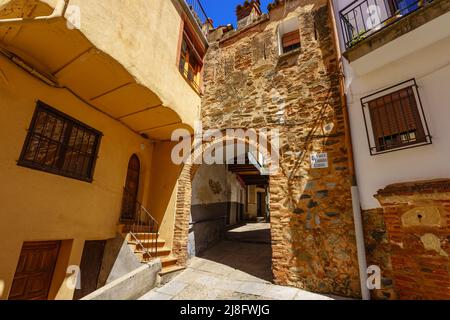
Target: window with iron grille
59 144
395 119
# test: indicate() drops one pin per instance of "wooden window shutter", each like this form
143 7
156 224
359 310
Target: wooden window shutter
395 114
291 38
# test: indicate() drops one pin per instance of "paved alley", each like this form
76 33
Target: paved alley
238 268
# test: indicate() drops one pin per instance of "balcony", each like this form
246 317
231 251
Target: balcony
199 13
361 19
378 32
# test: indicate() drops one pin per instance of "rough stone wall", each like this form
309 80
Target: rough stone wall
378 252
247 85
417 217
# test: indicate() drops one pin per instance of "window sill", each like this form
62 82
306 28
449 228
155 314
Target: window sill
37 167
427 141
290 53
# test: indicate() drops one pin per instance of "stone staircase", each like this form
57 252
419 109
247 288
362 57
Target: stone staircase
146 239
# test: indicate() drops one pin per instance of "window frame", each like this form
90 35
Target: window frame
292 47
187 37
67 120
283 29
374 147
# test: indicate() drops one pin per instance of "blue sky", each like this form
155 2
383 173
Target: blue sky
223 11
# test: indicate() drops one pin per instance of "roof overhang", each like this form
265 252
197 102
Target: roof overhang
71 61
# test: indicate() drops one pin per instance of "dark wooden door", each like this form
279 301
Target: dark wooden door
34 272
91 263
131 189
259 204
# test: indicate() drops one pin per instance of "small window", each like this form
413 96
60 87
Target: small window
58 144
291 41
190 63
394 119
289 36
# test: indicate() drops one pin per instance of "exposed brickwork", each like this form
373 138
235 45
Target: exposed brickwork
182 212
378 252
247 85
417 217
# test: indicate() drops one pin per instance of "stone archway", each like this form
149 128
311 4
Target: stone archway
312 230
184 191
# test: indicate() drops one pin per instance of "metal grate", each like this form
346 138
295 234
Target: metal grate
360 19
394 119
59 144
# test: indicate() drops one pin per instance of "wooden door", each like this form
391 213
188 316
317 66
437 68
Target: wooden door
91 263
259 204
34 272
131 189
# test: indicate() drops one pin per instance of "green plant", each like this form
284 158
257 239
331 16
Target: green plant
357 38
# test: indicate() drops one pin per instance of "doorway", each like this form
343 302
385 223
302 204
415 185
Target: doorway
35 270
91 263
260 205
131 190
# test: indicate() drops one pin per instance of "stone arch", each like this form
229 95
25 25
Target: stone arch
184 193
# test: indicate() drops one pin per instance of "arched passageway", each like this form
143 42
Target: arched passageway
223 211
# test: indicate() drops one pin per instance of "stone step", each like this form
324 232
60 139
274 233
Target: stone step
142 236
136 229
168 261
162 252
148 243
171 269
169 273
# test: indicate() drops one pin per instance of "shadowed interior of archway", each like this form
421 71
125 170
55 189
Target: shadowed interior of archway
229 219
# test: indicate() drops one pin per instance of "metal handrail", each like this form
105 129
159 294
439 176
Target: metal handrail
142 227
198 10
362 18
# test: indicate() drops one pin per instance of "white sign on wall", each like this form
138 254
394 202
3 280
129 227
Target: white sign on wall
319 160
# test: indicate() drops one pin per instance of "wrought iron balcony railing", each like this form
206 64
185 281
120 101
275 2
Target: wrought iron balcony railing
198 11
362 18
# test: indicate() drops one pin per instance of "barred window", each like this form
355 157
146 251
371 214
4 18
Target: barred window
395 119
59 144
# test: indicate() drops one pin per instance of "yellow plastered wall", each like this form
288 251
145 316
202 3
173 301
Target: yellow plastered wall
39 206
146 42
163 190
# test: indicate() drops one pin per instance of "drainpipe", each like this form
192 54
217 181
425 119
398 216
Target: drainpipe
58 12
359 231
